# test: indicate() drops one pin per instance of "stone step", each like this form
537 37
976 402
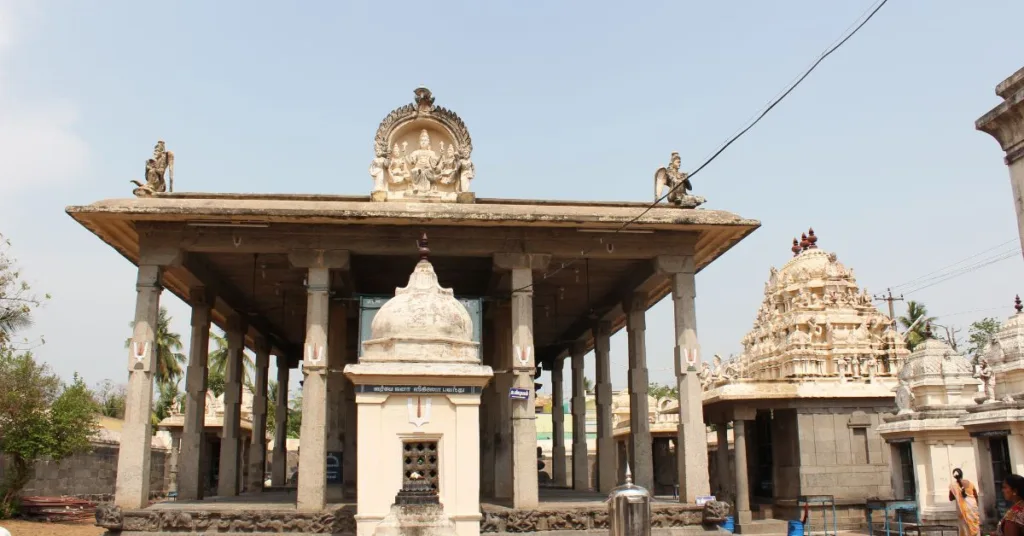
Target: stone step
764 526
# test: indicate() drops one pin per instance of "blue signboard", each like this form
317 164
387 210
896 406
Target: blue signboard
333 467
516 393
369 305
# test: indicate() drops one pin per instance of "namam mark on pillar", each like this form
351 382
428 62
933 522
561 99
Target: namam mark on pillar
419 413
523 355
139 351
690 355
314 353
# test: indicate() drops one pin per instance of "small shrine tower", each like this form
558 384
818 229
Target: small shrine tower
418 386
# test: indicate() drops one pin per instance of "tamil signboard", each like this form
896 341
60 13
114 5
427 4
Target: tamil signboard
517 393
334 467
420 389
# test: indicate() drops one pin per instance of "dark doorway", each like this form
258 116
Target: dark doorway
1000 449
764 472
906 454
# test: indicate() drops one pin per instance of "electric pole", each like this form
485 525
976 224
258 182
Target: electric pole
890 299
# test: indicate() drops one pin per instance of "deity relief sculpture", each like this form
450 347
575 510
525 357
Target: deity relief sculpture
428 172
705 376
904 398
842 367
871 366
160 164
984 373
676 183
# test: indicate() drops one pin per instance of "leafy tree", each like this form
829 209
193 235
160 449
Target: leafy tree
979 335
915 310
38 417
16 298
659 391
295 416
588 385
110 398
169 358
168 400
218 363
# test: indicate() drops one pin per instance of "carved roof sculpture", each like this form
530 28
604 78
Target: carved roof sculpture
674 184
814 323
937 375
422 323
214 414
1000 369
936 387
437 166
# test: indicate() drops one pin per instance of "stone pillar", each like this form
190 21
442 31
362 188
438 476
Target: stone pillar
132 487
258 448
722 458
606 450
487 414
524 418
230 437
312 492
190 478
580 463
172 486
1005 123
640 456
503 415
691 435
558 465
279 464
336 346
739 436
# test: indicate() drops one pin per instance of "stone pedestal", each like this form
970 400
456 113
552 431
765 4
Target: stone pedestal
418 387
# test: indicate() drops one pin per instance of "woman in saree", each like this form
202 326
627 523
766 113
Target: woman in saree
966 497
1012 523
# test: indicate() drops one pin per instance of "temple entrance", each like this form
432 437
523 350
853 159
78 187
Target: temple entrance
764 471
906 461
1000 449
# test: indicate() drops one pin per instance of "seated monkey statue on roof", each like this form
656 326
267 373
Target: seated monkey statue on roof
161 162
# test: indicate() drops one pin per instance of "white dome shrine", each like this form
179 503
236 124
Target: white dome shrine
422 323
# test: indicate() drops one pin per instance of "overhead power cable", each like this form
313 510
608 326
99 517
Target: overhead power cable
828 52
968 269
918 280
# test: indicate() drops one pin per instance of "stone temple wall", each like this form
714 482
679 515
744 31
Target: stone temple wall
91 475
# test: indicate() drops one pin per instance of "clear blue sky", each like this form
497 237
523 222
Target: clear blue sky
564 100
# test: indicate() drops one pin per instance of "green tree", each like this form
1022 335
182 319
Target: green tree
588 385
659 391
110 398
168 400
979 335
16 298
295 416
39 417
218 363
915 310
169 358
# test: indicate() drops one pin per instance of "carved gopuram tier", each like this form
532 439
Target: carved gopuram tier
814 322
422 152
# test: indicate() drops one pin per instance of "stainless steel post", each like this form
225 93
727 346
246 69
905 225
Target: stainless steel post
629 509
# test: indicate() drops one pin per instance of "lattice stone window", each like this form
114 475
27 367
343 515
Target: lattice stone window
420 457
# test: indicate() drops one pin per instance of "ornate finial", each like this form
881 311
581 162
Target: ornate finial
423 247
804 244
629 475
796 249
424 99
1016 304
811 239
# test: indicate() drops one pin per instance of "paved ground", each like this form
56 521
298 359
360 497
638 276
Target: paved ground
31 528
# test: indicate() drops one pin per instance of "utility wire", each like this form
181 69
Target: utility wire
917 280
722 148
967 270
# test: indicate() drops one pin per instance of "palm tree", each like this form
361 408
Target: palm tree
218 359
169 400
169 358
915 311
